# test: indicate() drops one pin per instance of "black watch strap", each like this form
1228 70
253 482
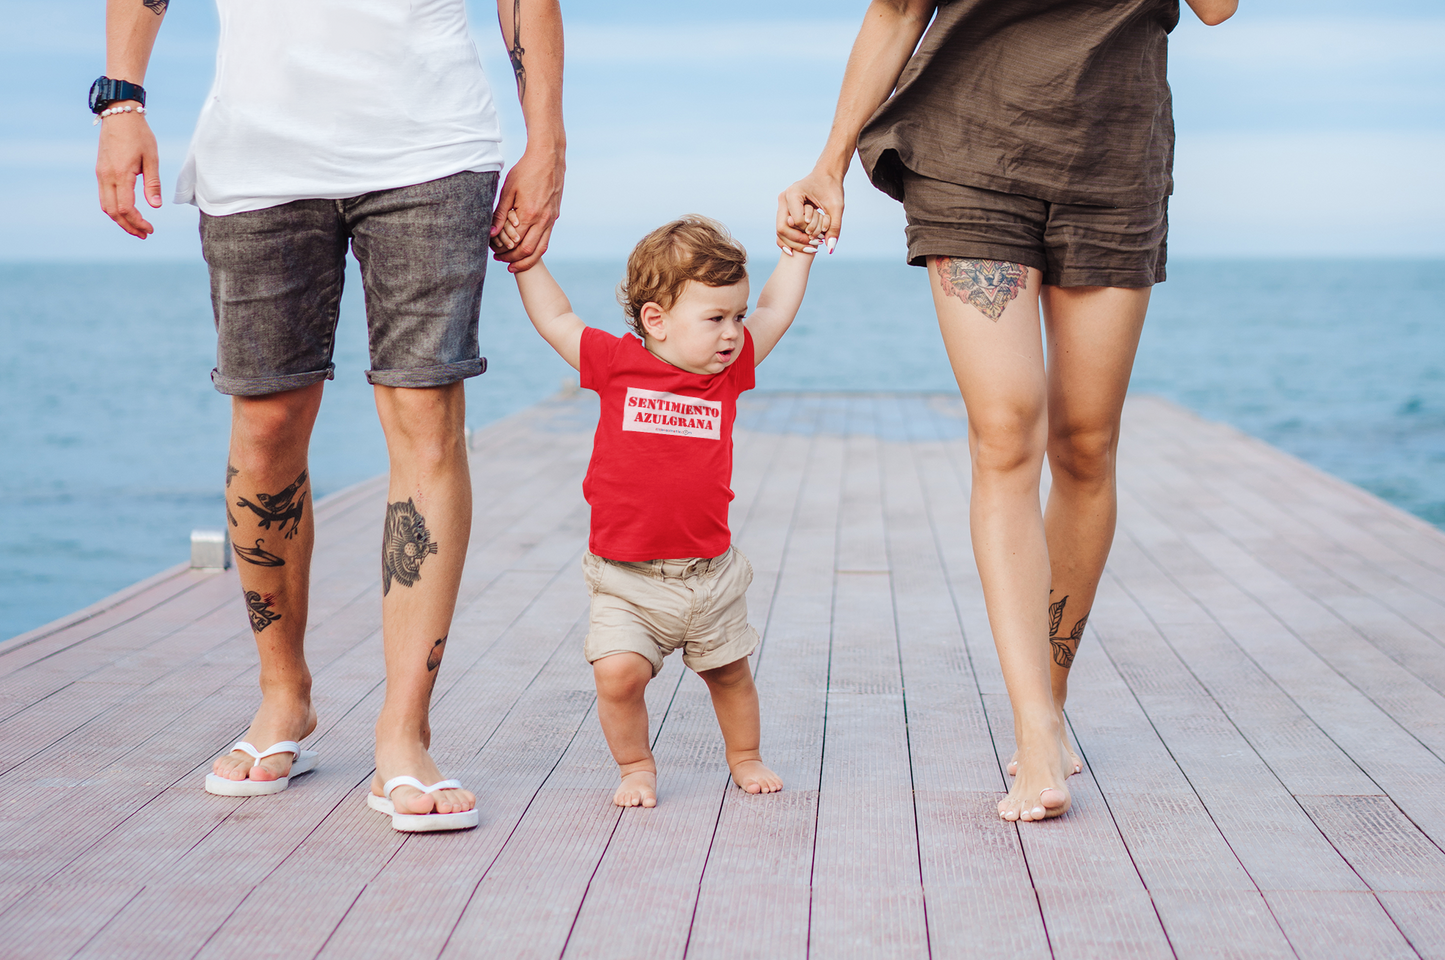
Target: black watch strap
105 91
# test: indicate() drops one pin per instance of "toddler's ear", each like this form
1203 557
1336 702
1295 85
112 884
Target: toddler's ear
652 321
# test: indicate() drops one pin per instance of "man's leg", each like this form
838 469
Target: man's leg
1093 333
424 544
269 511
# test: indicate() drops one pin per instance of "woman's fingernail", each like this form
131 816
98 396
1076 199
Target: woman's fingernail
788 251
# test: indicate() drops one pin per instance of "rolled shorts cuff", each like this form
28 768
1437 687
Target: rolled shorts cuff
925 244
1104 277
264 386
437 375
735 648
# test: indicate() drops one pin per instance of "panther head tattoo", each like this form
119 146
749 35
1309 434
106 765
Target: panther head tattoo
405 543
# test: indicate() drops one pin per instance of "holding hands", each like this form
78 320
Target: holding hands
804 218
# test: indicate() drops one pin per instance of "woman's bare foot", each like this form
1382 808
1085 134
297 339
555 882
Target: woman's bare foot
280 717
638 789
1075 765
397 756
1038 790
754 777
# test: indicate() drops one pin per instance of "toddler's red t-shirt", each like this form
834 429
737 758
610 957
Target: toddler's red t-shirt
660 479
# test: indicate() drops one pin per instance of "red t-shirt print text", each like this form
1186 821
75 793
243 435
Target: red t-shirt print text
655 411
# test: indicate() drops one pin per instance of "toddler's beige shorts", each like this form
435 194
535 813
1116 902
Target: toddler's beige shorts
653 607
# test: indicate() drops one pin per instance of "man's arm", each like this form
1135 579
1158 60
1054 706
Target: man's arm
127 146
551 313
890 32
1213 12
778 303
532 31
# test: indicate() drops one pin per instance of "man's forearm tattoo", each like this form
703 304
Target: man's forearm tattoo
259 607
986 285
1065 647
405 543
280 508
515 51
258 555
157 7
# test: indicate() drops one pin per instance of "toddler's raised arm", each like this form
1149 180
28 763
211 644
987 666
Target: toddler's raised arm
551 313
779 302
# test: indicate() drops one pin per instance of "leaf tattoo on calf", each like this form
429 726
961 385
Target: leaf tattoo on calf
258 555
986 285
1066 648
280 508
405 543
259 607
157 7
434 658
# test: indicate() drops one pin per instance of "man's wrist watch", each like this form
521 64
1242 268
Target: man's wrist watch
105 91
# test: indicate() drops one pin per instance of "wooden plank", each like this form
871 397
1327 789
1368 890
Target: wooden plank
1326 923
755 896
1421 917
867 887
972 863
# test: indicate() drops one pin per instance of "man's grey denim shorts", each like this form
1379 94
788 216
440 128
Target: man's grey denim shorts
276 277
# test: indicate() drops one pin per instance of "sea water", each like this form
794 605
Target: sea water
113 442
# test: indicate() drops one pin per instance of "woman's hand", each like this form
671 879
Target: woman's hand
810 209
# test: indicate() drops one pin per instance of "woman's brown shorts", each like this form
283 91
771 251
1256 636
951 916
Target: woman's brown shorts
1071 244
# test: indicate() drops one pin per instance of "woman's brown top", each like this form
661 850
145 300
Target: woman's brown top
1061 100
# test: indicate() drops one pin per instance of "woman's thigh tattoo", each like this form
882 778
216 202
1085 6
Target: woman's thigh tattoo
986 285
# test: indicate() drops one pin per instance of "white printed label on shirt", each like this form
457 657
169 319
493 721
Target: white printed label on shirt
652 411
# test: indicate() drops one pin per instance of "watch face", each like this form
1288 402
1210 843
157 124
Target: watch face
98 91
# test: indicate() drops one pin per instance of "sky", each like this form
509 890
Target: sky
1305 127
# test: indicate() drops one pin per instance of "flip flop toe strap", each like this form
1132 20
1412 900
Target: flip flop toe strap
284 746
404 781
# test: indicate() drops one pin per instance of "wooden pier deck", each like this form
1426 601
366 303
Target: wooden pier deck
1259 701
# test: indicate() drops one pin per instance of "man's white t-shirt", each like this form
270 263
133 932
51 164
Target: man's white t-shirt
325 99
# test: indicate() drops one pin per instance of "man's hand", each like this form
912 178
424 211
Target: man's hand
127 151
801 217
530 202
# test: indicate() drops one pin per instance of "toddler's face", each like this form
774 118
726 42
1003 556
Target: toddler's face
703 331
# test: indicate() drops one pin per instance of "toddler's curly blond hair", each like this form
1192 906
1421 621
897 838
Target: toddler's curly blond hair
689 248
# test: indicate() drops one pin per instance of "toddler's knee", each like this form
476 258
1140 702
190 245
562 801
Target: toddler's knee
622 676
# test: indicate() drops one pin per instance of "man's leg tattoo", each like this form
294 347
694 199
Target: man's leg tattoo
986 285
1064 648
258 555
259 607
405 543
280 508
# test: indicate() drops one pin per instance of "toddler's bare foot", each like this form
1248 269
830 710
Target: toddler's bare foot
754 777
280 717
638 789
1038 789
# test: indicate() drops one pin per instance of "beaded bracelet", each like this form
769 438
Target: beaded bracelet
112 111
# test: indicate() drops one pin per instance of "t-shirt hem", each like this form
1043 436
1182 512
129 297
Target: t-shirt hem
885 159
329 192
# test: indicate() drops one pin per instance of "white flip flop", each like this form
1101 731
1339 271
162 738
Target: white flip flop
304 762
422 822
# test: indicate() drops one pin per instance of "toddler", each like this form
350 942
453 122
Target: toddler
660 567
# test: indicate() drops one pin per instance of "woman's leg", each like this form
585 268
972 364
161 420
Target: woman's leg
1093 333
988 312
